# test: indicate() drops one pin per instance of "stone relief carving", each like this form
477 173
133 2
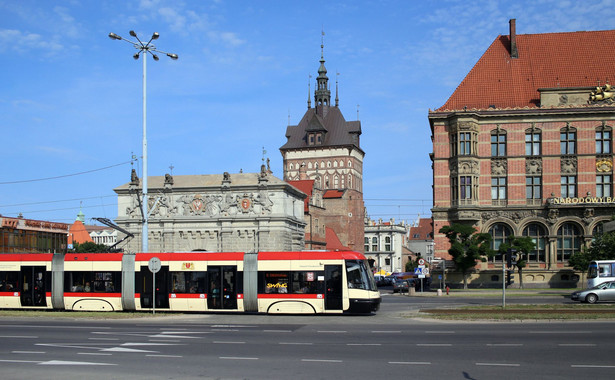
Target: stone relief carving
499 167
533 166
552 216
226 204
588 215
604 166
569 165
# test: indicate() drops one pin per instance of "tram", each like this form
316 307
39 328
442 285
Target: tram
306 282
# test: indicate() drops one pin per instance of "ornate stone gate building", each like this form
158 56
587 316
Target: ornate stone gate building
225 213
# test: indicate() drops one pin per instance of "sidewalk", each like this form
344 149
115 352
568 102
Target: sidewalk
491 293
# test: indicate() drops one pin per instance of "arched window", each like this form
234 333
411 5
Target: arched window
499 234
598 230
387 243
328 164
335 164
539 236
309 165
366 244
290 166
350 181
498 142
568 241
374 244
342 163
349 163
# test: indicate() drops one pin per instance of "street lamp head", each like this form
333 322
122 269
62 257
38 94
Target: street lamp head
132 33
172 56
155 57
114 36
136 56
155 36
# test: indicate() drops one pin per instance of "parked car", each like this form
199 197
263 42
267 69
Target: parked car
602 292
400 285
380 280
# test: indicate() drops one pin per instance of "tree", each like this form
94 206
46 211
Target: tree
467 247
523 245
602 248
412 264
89 247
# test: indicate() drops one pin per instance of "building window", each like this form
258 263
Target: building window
336 182
568 138
319 139
539 237
465 144
454 149
603 141
366 244
598 230
532 143
568 241
498 188
454 190
374 244
498 143
533 188
465 187
499 234
311 139
569 186
387 243
603 185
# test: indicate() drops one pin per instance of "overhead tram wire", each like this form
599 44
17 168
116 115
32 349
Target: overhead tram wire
58 201
65 175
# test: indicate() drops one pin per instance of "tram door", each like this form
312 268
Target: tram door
162 288
222 287
33 286
333 293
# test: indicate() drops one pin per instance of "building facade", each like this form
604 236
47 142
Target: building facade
524 147
420 239
385 246
224 213
326 149
19 235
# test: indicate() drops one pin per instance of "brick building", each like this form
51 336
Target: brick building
325 148
524 147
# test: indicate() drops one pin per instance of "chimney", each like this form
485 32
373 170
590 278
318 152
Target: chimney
514 53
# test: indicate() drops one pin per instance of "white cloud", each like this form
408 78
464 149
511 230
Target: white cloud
15 40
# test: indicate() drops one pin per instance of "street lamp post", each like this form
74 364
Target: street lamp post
144 48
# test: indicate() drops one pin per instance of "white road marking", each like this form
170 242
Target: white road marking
332 332
226 326
364 344
122 349
94 353
577 344
321 360
386 332
103 338
150 344
236 358
434 344
499 364
504 344
19 361
224 342
297 343
591 366
439 332
52 327
19 336
166 340
28 352
277 331
165 356
411 363
63 362
560 332
172 336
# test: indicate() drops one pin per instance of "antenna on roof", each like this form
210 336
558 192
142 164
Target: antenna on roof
309 92
337 99
264 153
357 112
171 167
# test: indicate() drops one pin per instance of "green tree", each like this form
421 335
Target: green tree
89 247
523 245
602 248
412 264
467 247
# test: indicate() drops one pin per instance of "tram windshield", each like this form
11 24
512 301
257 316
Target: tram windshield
358 276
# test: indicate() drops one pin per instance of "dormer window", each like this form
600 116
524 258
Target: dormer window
314 138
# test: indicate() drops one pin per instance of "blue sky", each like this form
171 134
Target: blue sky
71 98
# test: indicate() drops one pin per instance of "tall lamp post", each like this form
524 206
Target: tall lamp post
144 48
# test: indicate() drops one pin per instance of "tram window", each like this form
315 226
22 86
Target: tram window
8 281
188 282
305 282
98 282
274 282
357 275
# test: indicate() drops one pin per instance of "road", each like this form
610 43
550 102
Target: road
386 345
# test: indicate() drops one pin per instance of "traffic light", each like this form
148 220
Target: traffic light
510 277
511 258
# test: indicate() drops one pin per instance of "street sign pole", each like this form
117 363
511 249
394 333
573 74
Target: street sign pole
154 266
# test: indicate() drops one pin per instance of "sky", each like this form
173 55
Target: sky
71 98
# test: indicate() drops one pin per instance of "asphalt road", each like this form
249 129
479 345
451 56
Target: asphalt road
390 344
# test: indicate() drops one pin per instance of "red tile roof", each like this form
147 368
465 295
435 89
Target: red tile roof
333 194
549 60
333 242
77 233
424 230
306 186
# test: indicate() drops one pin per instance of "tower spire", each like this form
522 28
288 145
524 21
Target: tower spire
337 99
322 94
309 91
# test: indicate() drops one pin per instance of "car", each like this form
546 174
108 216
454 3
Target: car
400 285
380 281
602 292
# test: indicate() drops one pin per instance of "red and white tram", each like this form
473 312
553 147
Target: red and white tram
306 282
